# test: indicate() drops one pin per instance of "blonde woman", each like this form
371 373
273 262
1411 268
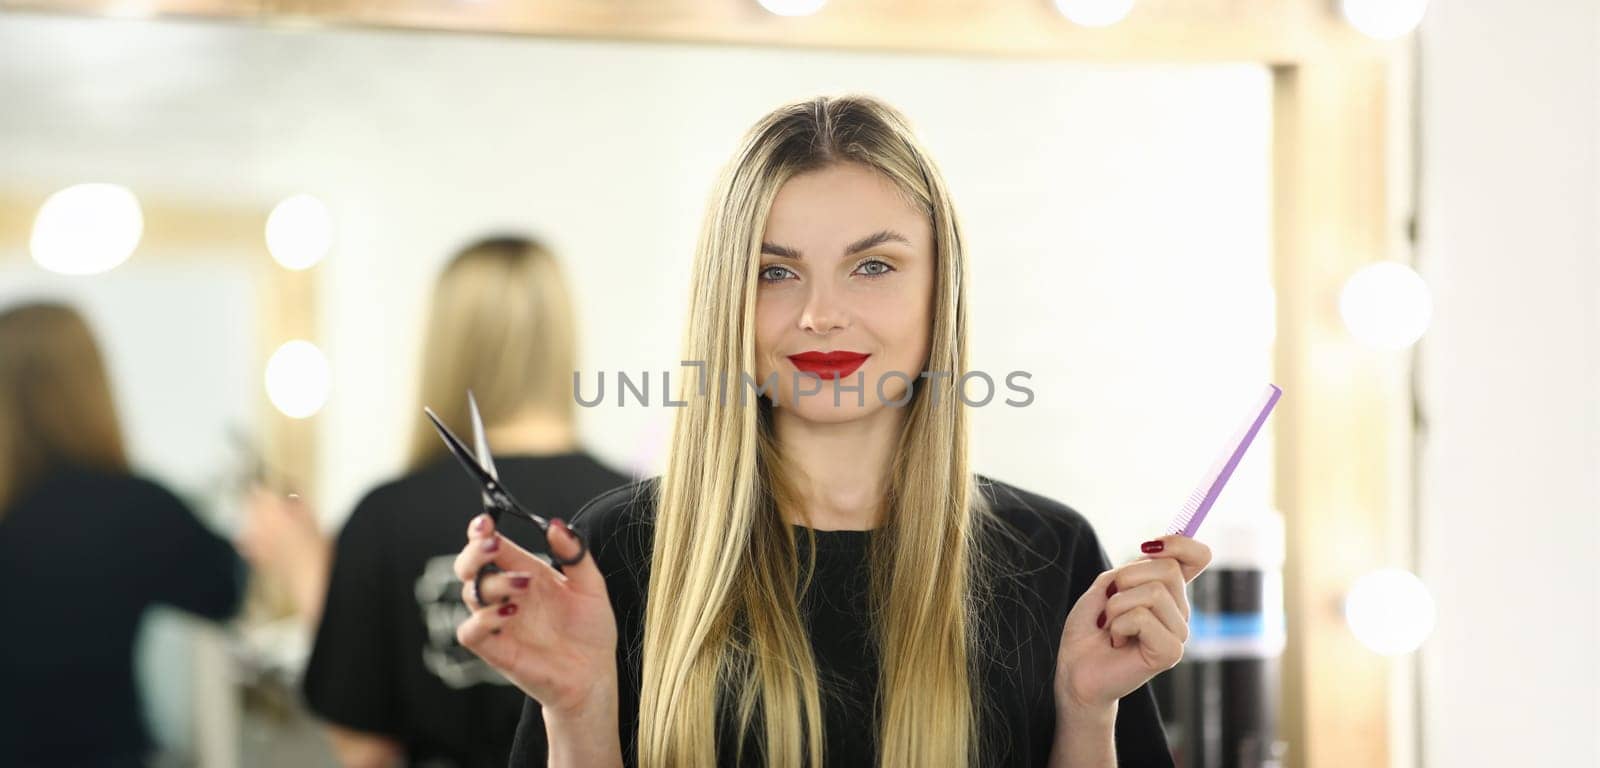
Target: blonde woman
818 578
86 546
386 673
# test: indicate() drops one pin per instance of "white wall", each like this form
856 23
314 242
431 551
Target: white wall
1117 215
1512 381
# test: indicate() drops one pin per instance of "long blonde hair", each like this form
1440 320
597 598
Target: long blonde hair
502 326
722 618
55 398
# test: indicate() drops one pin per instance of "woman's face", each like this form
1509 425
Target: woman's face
846 267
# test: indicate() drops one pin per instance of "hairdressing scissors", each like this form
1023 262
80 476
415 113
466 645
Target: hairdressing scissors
497 500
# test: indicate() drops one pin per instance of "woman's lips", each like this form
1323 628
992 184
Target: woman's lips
836 365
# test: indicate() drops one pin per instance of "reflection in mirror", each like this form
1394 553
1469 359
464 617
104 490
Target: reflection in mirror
113 538
1116 220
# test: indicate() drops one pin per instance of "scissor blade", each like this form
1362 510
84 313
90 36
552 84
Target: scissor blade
480 439
496 499
461 453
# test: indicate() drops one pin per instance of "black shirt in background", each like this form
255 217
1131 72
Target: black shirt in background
1061 557
83 553
385 660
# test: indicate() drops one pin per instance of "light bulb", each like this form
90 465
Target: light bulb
299 232
1094 13
1384 19
1386 305
1390 611
86 229
298 379
793 7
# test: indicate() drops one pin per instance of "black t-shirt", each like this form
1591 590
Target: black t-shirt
1058 559
386 660
83 553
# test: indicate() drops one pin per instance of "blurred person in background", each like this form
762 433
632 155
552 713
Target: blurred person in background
85 547
386 673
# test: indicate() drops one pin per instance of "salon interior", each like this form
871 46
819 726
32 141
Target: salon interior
1386 208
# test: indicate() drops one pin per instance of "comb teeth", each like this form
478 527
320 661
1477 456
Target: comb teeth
1180 522
1205 494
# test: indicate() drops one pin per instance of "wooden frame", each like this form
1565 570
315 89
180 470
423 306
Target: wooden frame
1342 425
287 298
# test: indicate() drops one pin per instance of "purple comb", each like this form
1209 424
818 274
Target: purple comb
1210 487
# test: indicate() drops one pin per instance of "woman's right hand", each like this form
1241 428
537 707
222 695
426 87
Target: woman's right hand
550 633
282 540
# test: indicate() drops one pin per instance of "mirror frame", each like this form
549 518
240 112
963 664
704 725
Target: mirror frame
1344 448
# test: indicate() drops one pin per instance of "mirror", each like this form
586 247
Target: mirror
1117 218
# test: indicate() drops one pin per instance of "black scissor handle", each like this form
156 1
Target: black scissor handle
583 548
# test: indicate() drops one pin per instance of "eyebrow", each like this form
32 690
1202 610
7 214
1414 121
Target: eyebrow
874 239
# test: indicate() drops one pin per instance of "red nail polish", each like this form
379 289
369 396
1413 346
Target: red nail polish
1111 590
1153 546
519 582
1100 623
508 609
490 545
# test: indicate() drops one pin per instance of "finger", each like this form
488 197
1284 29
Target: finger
582 576
496 588
497 549
1140 625
1166 571
1093 600
262 503
1192 556
474 555
296 506
481 526
1155 597
475 632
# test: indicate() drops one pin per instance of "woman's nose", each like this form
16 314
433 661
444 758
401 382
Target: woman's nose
823 312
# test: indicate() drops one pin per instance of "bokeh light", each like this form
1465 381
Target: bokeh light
299 232
1386 305
1384 19
298 379
86 229
1390 611
793 7
1094 13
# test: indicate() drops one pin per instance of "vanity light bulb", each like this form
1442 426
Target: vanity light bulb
1094 13
299 232
793 7
1384 19
1386 305
86 229
298 379
1390 611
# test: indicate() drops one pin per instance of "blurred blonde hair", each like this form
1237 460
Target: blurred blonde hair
722 618
501 324
55 398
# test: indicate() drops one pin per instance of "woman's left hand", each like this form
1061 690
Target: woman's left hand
1128 626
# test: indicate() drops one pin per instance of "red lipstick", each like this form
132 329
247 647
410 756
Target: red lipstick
836 365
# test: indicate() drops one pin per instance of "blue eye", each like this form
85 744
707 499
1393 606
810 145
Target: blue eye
886 269
773 273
